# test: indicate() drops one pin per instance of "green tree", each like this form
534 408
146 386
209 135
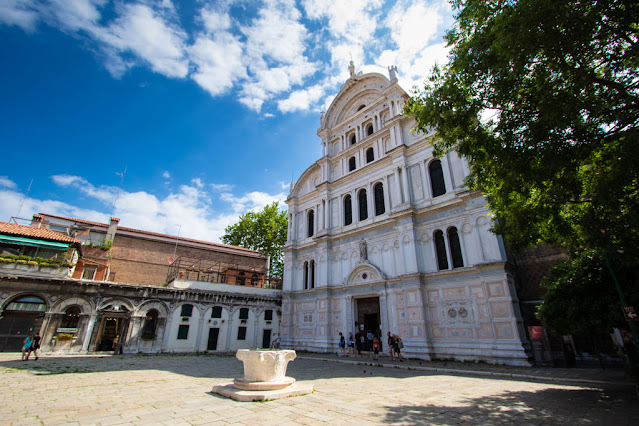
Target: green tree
542 98
264 231
580 296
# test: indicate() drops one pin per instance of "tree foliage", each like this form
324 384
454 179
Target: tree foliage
542 98
580 296
264 231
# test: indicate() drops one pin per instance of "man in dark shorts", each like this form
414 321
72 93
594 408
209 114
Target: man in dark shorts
390 347
35 346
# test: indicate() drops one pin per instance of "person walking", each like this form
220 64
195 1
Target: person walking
358 343
391 346
375 348
35 345
26 347
342 343
397 347
351 344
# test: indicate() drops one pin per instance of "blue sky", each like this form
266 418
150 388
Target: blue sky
211 108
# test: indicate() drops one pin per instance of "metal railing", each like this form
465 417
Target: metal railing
191 269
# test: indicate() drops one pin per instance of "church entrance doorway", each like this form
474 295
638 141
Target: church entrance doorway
368 320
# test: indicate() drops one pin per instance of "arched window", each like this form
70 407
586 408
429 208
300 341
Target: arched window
312 271
305 275
348 210
71 317
440 249
369 130
150 323
361 107
455 248
370 155
437 178
379 199
254 280
310 223
27 303
240 280
351 164
353 139
363 205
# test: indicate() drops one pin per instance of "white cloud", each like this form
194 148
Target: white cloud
221 187
253 201
271 57
166 175
21 13
7 183
191 207
301 100
218 62
144 32
215 21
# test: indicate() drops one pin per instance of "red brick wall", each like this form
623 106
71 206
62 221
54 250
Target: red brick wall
141 261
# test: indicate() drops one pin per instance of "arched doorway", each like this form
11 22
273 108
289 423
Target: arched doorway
113 327
21 316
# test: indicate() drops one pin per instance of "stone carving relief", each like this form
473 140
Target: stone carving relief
457 312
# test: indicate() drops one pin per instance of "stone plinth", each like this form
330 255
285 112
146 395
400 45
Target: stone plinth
264 377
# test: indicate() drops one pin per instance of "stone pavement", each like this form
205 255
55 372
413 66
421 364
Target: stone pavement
175 389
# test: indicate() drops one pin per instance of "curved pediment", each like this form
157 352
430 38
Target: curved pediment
363 273
358 92
307 182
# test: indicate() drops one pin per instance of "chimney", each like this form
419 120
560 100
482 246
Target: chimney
36 221
113 227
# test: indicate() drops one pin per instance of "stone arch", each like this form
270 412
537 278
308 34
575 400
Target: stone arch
86 306
365 273
116 304
160 306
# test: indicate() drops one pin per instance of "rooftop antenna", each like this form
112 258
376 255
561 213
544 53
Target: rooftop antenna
22 202
119 189
176 242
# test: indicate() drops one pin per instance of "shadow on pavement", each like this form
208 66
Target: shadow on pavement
559 406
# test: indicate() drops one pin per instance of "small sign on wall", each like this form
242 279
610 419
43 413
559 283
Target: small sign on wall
67 330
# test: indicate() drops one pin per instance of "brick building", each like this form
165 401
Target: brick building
131 290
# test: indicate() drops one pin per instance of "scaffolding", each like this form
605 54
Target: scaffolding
191 269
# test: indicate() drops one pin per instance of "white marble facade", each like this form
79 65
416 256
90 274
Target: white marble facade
414 237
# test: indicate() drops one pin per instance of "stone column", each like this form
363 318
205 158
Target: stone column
446 170
398 186
387 204
428 191
256 325
406 191
89 332
229 328
327 217
200 329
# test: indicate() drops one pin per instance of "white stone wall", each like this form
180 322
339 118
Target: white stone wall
401 252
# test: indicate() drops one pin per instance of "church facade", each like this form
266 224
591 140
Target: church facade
384 237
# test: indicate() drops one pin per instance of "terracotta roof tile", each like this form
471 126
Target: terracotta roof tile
30 232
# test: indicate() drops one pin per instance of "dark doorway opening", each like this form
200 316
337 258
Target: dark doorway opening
368 319
112 332
266 339
213 335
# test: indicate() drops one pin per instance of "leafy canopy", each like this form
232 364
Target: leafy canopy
542 98
264 231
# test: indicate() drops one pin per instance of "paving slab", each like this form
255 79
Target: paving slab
176 389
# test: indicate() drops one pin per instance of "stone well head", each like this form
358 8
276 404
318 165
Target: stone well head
265 365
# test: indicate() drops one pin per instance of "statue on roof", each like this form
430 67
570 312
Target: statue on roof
392 73
351 68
